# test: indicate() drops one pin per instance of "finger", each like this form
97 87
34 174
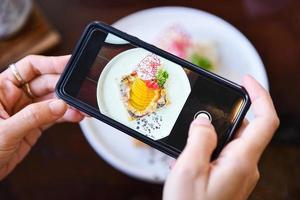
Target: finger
34 65
43 84
84 114
260 131
72 115
46 97
3 113
241 129
262 104
172 164
201 143
32 117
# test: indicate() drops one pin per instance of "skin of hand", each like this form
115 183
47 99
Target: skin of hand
23 119
234 174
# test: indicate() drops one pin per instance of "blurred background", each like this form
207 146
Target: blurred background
63 165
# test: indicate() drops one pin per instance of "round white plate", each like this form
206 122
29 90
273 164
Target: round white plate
110 101
238 57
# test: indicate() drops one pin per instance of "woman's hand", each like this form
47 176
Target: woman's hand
234 174
23 118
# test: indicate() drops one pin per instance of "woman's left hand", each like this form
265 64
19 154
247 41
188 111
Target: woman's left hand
23 117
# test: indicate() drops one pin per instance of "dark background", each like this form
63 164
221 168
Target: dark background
63 165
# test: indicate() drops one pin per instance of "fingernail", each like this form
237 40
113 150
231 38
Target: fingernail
57 107
201 120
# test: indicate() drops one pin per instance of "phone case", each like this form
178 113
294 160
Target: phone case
136 41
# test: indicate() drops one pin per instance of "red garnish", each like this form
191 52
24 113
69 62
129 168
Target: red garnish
155 85
152 84
148 83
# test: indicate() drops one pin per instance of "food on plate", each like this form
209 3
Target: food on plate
143 90
178 41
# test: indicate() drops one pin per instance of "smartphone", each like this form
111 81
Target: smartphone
146 92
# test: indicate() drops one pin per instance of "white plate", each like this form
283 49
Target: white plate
238 57
109 97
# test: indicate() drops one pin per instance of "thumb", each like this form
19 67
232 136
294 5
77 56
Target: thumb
33 116
201 142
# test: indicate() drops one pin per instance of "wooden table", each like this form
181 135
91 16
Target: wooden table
63 165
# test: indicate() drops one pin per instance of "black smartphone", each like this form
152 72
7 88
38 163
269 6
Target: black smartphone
146 92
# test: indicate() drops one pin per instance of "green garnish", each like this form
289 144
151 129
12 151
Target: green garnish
162 76
201 62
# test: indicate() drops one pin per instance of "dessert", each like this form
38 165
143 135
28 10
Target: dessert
143 90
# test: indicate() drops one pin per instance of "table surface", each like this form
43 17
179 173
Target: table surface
63 165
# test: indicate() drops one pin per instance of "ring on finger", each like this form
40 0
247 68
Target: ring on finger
25 86
16 74
27 90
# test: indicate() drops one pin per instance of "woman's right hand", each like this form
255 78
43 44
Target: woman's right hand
234 174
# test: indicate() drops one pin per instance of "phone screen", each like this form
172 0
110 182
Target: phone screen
148 93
